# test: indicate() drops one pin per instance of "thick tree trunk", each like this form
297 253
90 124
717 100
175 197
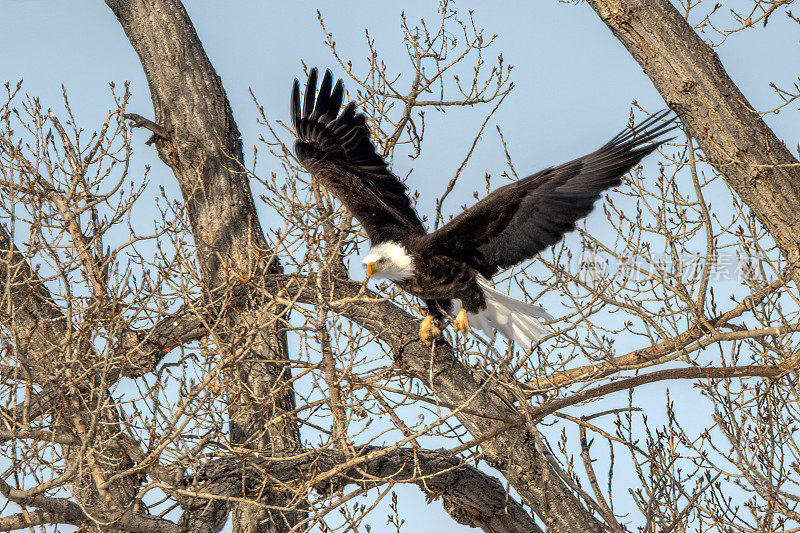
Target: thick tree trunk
203 149
693 82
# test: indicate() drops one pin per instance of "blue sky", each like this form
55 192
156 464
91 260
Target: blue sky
574 83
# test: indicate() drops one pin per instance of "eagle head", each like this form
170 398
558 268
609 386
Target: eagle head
388 260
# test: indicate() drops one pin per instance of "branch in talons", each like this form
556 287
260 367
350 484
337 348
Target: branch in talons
159 132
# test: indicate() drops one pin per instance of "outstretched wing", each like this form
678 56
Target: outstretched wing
336 149
521 219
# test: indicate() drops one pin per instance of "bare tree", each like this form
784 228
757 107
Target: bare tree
299 390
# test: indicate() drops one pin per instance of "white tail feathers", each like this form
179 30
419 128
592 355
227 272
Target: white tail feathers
516 320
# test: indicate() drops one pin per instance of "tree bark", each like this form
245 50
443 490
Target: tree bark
470 496
737 142
204 151
62 511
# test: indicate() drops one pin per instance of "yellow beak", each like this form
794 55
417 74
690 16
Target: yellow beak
370 269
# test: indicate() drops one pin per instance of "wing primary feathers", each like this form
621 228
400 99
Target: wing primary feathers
336 101
311 90
294 105
324 96
643 132
336 148
517 221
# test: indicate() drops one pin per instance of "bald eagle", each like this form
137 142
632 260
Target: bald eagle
450 268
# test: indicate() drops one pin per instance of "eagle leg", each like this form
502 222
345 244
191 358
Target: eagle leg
461 322
429 329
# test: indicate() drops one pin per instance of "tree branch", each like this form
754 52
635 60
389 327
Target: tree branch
470 496
62 511
513 451
696 336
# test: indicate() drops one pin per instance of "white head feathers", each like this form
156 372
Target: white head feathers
389 260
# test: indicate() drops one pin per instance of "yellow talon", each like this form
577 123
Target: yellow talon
461 323
428 330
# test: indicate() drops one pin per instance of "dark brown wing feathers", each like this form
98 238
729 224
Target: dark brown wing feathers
512 224
519 220
337 150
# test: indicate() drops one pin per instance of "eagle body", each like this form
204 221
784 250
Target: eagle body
450 268
433 277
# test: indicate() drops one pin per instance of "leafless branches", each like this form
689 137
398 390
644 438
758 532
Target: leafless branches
161 373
